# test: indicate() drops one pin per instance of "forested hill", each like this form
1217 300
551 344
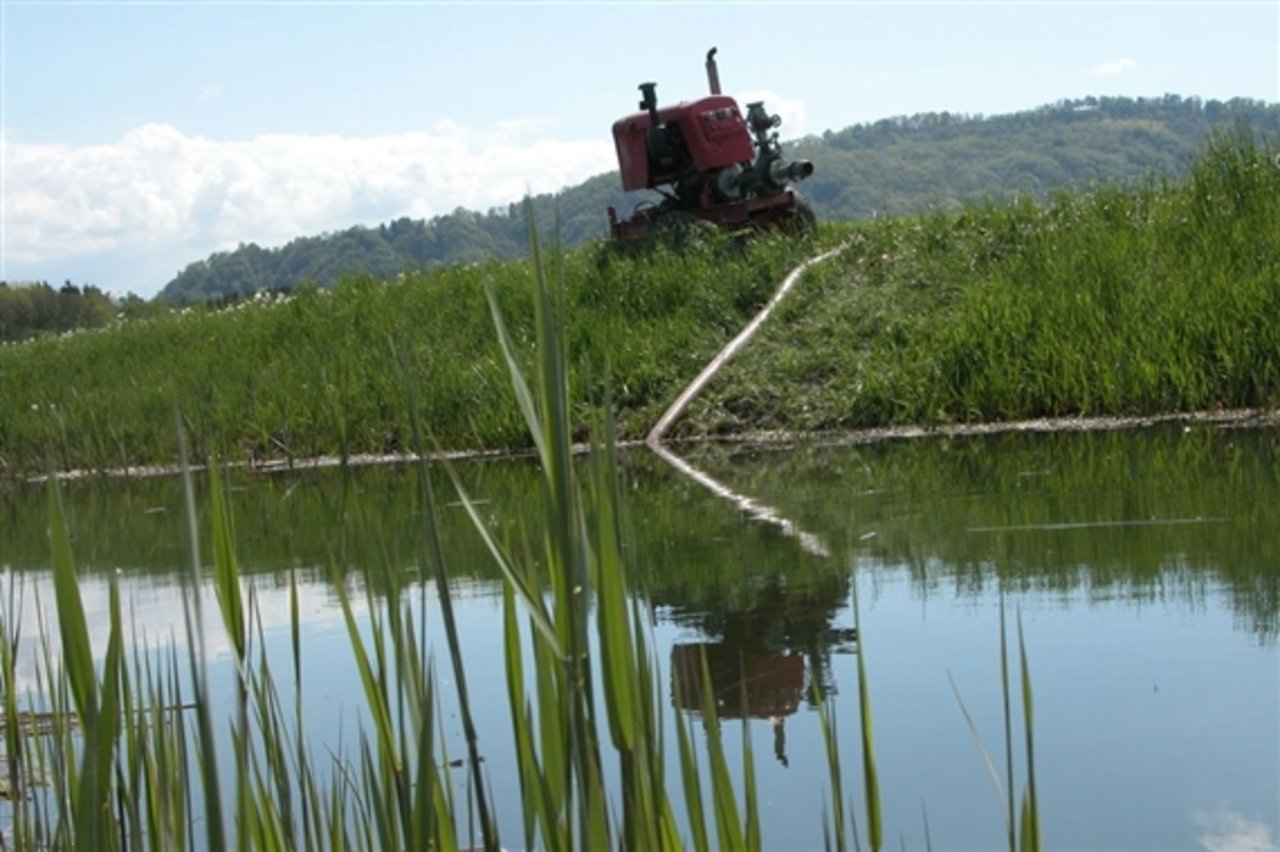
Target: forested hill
894 166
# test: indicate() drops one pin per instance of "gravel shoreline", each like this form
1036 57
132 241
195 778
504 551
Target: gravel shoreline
1252 418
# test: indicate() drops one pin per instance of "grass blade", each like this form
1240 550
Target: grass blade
1011 820
871 779
692 779
982 749
728 826
835 832
77 657
1031 806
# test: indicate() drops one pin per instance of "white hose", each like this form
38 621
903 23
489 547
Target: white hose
669 417
749 506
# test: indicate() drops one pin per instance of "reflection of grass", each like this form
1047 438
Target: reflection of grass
957 513
922 498
140 772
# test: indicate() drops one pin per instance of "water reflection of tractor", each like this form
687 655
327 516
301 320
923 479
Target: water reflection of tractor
766 659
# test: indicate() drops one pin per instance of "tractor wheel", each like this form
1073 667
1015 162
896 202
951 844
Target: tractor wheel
803 221
680 228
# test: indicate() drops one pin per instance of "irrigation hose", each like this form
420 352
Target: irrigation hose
732 348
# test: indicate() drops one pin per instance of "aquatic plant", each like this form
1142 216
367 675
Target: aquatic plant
135 757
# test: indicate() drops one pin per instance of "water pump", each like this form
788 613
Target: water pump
708 162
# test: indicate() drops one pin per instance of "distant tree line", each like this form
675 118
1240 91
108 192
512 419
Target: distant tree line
463 236
28 309
896 166
31 308
906 164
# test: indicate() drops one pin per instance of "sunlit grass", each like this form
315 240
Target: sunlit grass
322 372
1122 300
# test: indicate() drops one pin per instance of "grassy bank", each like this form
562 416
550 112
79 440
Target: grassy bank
1163 297
1118 301
323 372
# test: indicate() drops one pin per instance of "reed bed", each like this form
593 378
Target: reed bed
133 757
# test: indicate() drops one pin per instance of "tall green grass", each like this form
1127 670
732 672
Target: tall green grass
320 372
1121 300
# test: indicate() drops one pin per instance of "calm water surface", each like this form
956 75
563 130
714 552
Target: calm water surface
1144 567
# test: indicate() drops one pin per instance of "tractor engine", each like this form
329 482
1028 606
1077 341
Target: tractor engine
707 161
770 173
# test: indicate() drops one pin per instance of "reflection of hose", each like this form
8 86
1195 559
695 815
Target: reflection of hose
749 506
753 508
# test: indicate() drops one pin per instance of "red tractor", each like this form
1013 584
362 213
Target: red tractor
709 163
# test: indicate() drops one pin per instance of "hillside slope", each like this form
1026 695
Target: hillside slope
895 166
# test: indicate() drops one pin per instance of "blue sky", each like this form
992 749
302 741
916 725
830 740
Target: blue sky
140 137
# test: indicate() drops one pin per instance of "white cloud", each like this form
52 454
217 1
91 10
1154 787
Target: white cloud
1225 830
1113 67
159 199
153 616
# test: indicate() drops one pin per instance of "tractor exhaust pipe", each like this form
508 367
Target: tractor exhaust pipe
649 101
713 74
781 171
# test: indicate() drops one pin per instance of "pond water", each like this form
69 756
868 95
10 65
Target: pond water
1142 565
